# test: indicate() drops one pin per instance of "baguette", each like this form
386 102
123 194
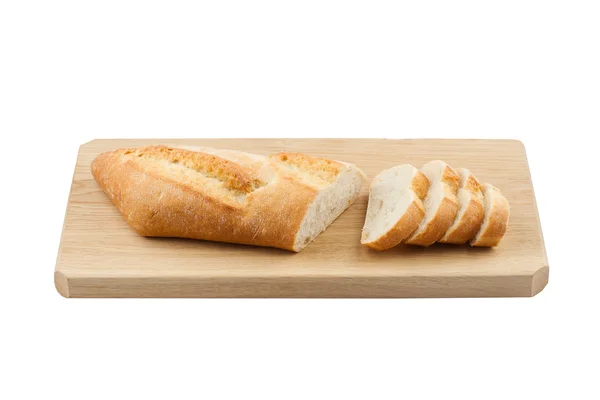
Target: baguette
495 220
441 204
470 210
395 206
283 201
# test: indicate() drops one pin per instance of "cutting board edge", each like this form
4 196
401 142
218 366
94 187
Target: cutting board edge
173 141
303 287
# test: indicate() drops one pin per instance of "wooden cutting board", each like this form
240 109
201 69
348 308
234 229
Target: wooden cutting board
100 256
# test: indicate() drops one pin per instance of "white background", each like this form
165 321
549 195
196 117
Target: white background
71 71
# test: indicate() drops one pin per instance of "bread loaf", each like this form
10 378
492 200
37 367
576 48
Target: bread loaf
395 206
284 200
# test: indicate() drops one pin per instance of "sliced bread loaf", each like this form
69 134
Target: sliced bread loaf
395 206
470 210
441 204
495 219
283 201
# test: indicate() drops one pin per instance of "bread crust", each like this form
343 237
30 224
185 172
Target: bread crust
496 221
402 229
445 214
320 171
171 192
465 226
438 225
420 185
469 225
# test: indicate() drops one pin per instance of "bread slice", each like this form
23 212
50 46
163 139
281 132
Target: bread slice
470 210
441 204
495 219
283 201
395 206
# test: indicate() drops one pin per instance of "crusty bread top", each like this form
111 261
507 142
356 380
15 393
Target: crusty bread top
420 185
469 182
199 171
314 171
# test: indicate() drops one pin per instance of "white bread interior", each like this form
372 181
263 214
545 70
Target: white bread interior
331 201
394 209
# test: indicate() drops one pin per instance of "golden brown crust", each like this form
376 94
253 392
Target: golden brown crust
438 226
470 224
318 169
496 221
467 224
445 213
472 184
233 176
420 185
171 192
402 229
450 178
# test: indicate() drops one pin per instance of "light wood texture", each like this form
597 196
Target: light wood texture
100 256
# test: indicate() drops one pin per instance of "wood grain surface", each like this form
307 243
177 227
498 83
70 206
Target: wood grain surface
100 256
